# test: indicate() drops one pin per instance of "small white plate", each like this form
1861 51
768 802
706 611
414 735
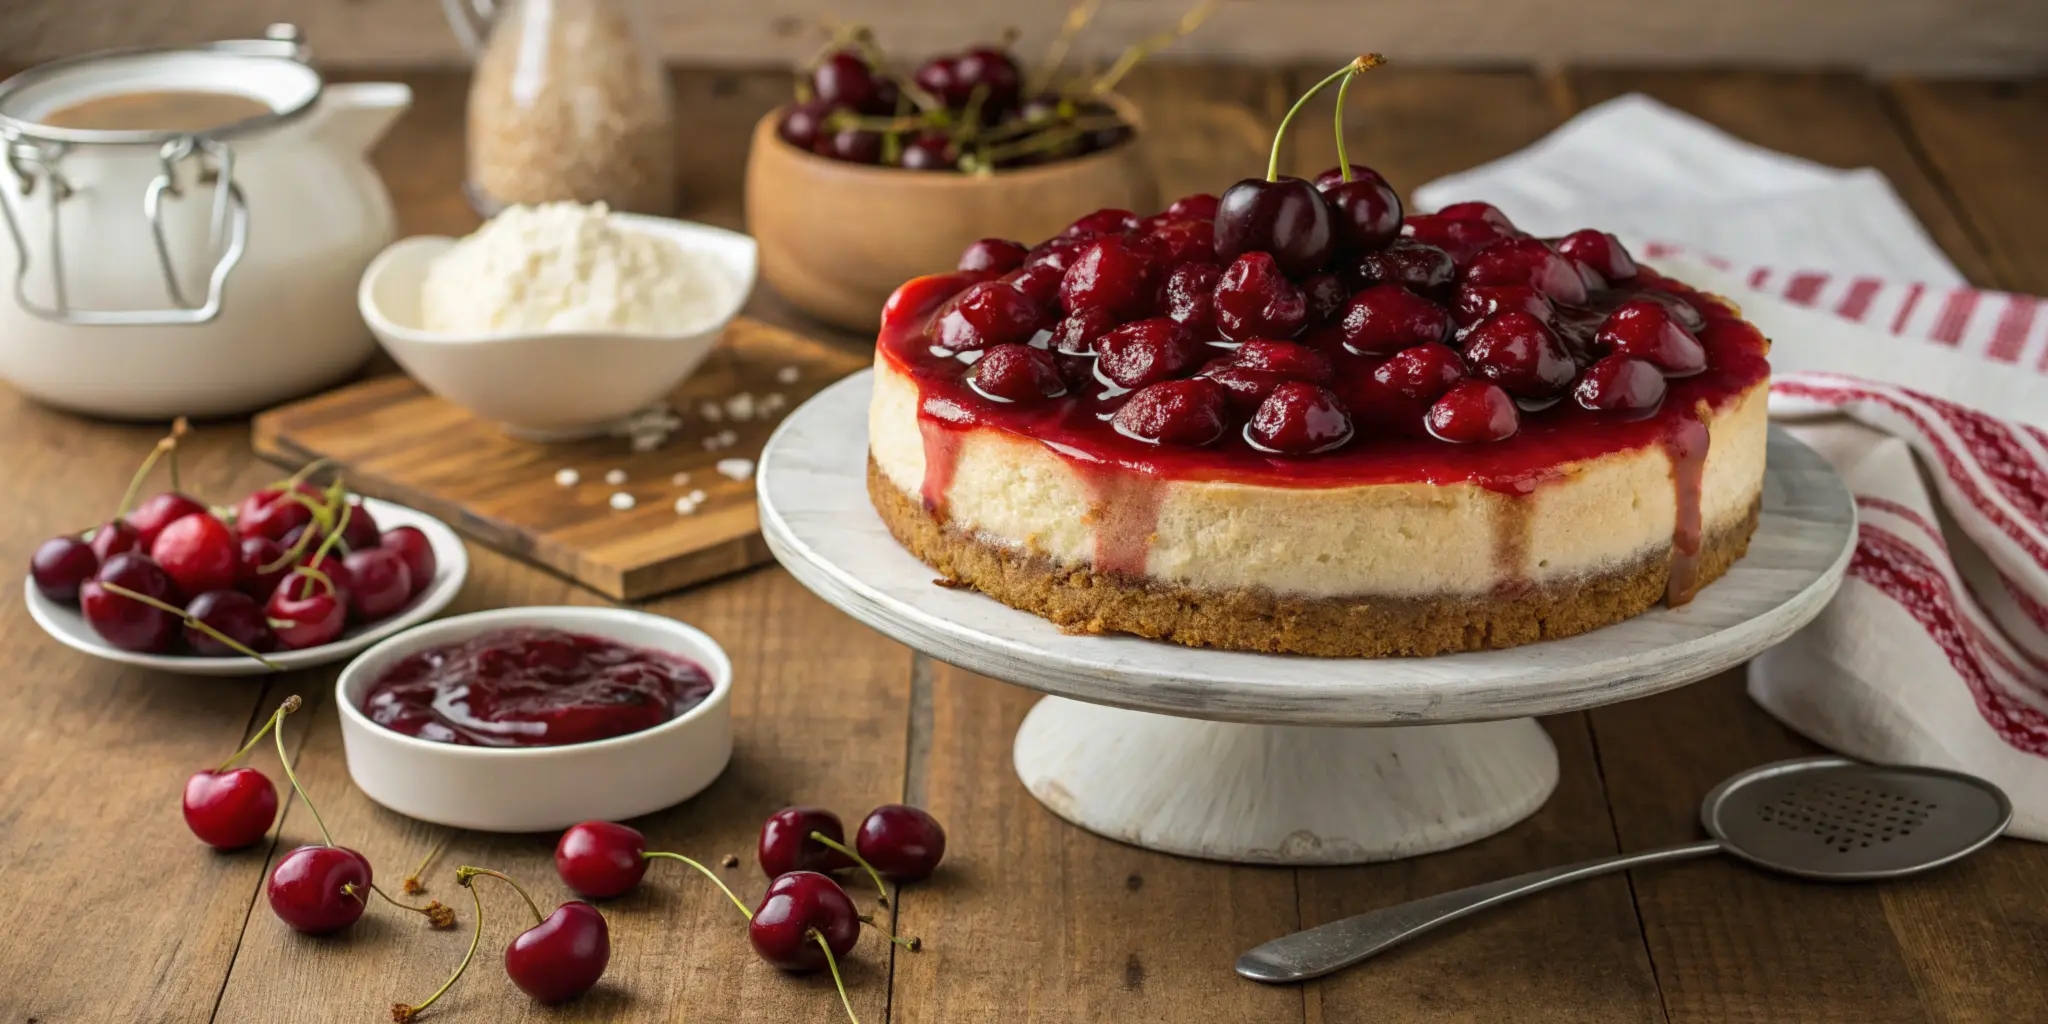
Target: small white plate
540 789
451 567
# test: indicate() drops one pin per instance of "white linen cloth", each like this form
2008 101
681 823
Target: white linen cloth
1928 396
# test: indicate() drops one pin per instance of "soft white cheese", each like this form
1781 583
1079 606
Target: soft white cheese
569 267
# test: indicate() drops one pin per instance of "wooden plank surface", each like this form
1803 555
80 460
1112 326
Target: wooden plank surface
393 439
119 916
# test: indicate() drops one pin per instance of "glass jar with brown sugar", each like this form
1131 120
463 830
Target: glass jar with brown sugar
569 102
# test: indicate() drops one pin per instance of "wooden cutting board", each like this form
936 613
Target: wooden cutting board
392 439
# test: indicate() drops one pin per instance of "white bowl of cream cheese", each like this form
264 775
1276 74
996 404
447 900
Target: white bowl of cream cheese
558 321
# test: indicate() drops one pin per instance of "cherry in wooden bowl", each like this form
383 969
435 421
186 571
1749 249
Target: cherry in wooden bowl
836 238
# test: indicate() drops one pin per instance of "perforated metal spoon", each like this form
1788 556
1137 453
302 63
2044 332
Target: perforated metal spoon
1824 818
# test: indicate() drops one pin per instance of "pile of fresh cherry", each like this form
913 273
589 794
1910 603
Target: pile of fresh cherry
288 568
975 112
1293 313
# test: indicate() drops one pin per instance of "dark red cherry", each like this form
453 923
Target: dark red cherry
986 313
1599 250
601 859
1646 329
254 556
994 73
1476 302
305 613
1326 297
1462 239
1190 297
1628 387
1146 352
114 537
379 583
995 255
1200 206
1335 176
936 76
233 613
853 145
123 621
798 906
1076 334
928 152
1112 273
1422 373
230 810
1286 218
60 566
804 123
159 511
1101 222
1016 373
1367 214
1478 211
1286 358
1179 242
319 890
786 844
199 552
563 956
1058 252
1422 269
360 533
1473 412
1243 386
1386 318
269 513
843 79
418 552
1521 354
902 842
1178 413
1526 261
1254 299
1040 282
1299 418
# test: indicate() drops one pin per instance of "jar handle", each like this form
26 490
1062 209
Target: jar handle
471 21
229 236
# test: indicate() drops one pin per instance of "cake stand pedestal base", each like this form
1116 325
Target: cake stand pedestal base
1281 794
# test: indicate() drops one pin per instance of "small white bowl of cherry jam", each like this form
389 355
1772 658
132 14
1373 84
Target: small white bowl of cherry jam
533 719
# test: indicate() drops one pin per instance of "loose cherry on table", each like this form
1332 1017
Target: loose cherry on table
806 922
603 859
230 808
904 843
561 957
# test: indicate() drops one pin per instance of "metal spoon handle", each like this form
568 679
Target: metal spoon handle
1339 944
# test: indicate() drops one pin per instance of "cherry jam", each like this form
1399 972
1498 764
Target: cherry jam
534 687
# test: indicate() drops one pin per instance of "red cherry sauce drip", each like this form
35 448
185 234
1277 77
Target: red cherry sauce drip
533 687
1077 425
1122 514
941 458
1687 446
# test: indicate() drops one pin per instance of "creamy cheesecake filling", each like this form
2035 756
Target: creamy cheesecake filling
1390 539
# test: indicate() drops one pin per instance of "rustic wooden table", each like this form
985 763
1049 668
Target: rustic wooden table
114 913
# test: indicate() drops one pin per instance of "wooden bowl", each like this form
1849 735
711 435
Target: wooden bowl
837 238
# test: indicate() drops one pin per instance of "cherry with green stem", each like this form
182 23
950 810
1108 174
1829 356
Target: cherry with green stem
230 808
1280 215
561 957
193 623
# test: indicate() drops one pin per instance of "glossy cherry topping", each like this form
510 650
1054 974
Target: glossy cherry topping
1599 250
1422 373
986 314
1477 302
996 255
1623 385
1178 413
1255 300
1386 318
1521 354
533 687
1146 352
1016 373
1190 297
1526 261
1299 418
1649 331
1462 239
1110 273
1474 412
1284 358
1418 267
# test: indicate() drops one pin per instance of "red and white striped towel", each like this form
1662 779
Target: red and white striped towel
1935 651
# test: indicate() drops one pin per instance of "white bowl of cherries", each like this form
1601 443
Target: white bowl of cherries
291 577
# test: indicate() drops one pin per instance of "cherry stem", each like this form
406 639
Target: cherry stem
465 874
269 724
135 482
236 645
1280 134
291 483
1078 16
388 898
706 872
292 704
412 881
178 429
832 963
333 536
1143 48
1368 62
912 944
318 577
833 844
402 1013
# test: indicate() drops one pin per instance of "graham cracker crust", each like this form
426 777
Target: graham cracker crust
1081 600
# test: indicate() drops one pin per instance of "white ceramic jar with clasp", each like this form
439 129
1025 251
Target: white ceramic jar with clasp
151 272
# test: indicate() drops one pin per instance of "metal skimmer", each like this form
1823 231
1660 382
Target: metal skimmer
1824 818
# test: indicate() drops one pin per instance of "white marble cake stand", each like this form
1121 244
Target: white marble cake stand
1260 758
